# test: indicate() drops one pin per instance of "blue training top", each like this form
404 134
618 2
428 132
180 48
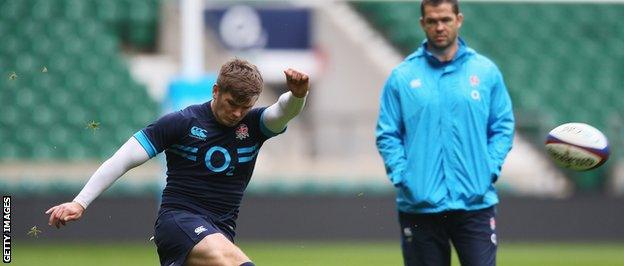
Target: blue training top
444 130
208 164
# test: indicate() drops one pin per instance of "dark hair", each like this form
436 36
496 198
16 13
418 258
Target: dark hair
454 3
241 79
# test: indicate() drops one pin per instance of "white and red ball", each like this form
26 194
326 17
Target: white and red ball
577 146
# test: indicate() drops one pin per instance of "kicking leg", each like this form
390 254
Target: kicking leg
216 250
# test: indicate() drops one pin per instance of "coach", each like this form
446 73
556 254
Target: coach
445 126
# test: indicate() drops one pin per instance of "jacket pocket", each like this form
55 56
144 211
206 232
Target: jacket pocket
422 195
493 171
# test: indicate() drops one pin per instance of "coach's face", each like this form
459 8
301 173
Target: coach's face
228 110
441 25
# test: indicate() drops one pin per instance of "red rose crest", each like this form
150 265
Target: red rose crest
242 132
474 80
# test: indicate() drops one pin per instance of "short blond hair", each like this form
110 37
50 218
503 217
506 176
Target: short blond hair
241 79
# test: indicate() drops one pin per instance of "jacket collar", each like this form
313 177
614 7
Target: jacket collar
461 54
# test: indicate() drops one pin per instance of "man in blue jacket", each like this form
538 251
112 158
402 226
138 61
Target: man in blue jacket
445 127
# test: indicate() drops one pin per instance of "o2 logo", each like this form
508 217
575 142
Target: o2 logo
227 159
245 154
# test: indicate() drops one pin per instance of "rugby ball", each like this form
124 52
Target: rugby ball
577 146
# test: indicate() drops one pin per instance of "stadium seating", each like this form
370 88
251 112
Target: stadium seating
561 62
66 55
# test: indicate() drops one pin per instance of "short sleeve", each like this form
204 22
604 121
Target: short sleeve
254 118
163 133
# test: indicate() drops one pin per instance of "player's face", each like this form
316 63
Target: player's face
227 110
441 25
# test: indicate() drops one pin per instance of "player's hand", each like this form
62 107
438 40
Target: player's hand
297 82
60 214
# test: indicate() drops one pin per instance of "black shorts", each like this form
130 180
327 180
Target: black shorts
177 231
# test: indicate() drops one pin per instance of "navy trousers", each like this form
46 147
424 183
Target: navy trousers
426 238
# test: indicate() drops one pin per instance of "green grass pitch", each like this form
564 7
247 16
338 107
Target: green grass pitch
312 254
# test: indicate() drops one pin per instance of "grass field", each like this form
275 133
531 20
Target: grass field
315 253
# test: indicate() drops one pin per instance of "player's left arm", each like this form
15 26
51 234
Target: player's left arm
276 117
500 124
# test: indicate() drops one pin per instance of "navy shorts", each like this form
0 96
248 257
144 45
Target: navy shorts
177 231
426 238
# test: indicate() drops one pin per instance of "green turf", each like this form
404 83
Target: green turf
314 254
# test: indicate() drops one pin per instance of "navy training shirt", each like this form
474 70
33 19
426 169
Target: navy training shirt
208 164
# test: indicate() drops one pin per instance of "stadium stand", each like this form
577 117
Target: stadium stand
560 62
54 86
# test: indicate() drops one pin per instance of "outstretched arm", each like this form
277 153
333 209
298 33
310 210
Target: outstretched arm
130 155
289 104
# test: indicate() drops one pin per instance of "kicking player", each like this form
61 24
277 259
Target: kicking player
211 150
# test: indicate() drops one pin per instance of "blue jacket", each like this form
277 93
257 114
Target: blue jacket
444 130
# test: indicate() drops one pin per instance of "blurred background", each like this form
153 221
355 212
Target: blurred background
79 77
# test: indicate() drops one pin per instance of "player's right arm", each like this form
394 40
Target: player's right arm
145 144
129 155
